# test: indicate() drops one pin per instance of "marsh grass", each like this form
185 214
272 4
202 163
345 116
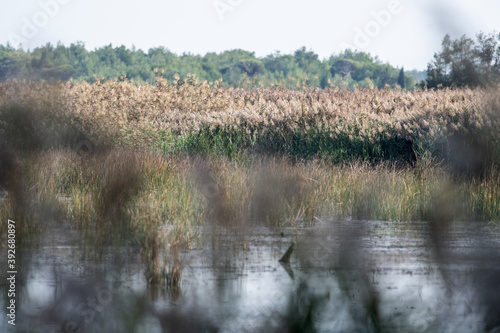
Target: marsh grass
239 144
151 166
160 205
149 190
194 117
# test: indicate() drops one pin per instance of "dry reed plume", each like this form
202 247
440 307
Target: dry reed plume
151 115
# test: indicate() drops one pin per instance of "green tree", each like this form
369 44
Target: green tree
401 78
463 62
11 63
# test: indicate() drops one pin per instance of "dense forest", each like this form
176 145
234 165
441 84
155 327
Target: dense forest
236 67
461 62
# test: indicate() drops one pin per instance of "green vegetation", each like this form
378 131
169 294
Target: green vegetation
463 62
238 143
237 68
129 153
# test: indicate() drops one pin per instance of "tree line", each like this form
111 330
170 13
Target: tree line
466 62
237 68
461 62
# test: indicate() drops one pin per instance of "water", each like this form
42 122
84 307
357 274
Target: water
343 276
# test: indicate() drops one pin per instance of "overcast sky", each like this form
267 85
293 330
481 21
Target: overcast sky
404 33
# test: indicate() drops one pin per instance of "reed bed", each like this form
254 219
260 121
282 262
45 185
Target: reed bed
191 116
151 166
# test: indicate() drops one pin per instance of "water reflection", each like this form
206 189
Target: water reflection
365 276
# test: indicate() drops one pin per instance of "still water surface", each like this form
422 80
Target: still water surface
343 276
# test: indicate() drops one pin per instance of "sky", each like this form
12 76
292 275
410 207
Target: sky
402 32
